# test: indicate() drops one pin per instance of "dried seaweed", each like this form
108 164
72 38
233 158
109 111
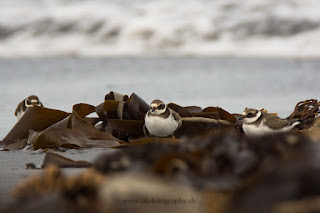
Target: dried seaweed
60 161
126 130
135 108
306 112
73 138
35 118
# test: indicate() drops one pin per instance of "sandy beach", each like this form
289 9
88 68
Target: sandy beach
13 166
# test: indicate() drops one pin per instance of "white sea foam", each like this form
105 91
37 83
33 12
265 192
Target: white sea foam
288 28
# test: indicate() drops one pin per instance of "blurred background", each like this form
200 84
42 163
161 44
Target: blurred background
227 53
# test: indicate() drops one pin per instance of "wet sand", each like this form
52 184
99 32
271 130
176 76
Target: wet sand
13 166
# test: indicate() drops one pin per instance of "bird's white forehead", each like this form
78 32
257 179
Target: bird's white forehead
247 111
154 105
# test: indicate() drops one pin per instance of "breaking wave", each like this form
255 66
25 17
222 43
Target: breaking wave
289 28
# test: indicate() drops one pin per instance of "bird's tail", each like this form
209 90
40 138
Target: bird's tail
295 123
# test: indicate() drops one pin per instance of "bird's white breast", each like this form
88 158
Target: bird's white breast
253 130
161 127
262 129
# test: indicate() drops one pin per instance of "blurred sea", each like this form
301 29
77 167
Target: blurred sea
251 28
230 83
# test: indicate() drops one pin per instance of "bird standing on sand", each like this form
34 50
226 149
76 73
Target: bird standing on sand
161 121
257 123
28 102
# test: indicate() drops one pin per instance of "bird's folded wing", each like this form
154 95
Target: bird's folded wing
175 115
276 123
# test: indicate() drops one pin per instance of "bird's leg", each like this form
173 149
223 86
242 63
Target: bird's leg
173 138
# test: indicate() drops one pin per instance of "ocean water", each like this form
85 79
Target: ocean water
251 28
230 83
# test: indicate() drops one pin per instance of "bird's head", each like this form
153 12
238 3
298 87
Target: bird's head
157 107
250 115
32 101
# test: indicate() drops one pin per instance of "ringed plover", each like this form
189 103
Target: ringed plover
257 123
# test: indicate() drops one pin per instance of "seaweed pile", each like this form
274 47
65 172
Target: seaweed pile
204 168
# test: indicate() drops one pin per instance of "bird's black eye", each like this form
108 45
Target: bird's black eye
161 106
28 102
250 114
